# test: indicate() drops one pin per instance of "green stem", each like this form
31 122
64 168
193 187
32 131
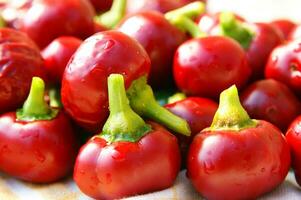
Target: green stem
123 123
35 107
2 22
112 17
176 97
55 98
192 10
230 114
143 102
185 24
231 27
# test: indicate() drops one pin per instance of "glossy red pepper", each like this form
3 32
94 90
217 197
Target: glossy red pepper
200 66
272 101
160 40
284 64
258 40
285 26
129 156
84 85
57 55
198 112
293 137
45 20
37 142
295 33
20 61
101 5
237 158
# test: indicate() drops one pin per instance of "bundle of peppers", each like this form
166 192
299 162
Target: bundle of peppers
79 81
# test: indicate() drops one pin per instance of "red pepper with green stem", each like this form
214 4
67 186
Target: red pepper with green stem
205 66
237 158
129 157
37 142
159 38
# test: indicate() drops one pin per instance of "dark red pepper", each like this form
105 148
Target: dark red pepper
237 158
37 142
159 38
45 20
101 5
20 61
129 157
284 64
272 101
57 55
293 137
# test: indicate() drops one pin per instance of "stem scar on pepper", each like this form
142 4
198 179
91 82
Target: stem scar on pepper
123 123
230 114
143 102
35 106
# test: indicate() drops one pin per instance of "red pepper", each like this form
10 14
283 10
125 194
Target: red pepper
258 40
45 20
205 66
101 5
56 56
129 157
20 61
284 64
295 33
37 142
293 137
285 26
272 101
159 38
198 112
237 157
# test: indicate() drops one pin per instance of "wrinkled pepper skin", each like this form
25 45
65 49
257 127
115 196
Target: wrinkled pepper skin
84 85
293 138
238 165
46 20
42 151
20 61
57 55
109 171
272 101
200 66
160 40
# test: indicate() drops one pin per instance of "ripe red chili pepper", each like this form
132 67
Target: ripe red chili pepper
200 64
272 101
258 40
293 137
284 65
45 20
20 61
198 112
37 142
101 5
56 56
129 157
285 26
295 33
236 157
159 38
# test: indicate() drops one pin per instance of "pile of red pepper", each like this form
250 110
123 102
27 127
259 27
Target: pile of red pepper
123 94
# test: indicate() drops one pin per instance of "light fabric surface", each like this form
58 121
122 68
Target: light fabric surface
12 189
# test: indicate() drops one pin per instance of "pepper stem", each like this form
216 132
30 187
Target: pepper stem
35 107
2 22
55 97
231 27
123 123
230 114
191 10
143 102
112 17
176 97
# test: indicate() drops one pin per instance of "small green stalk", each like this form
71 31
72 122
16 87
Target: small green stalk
112 17
192 11
230 114
231 27
35 107
55 98
143 102
2 22
123 123
176 97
